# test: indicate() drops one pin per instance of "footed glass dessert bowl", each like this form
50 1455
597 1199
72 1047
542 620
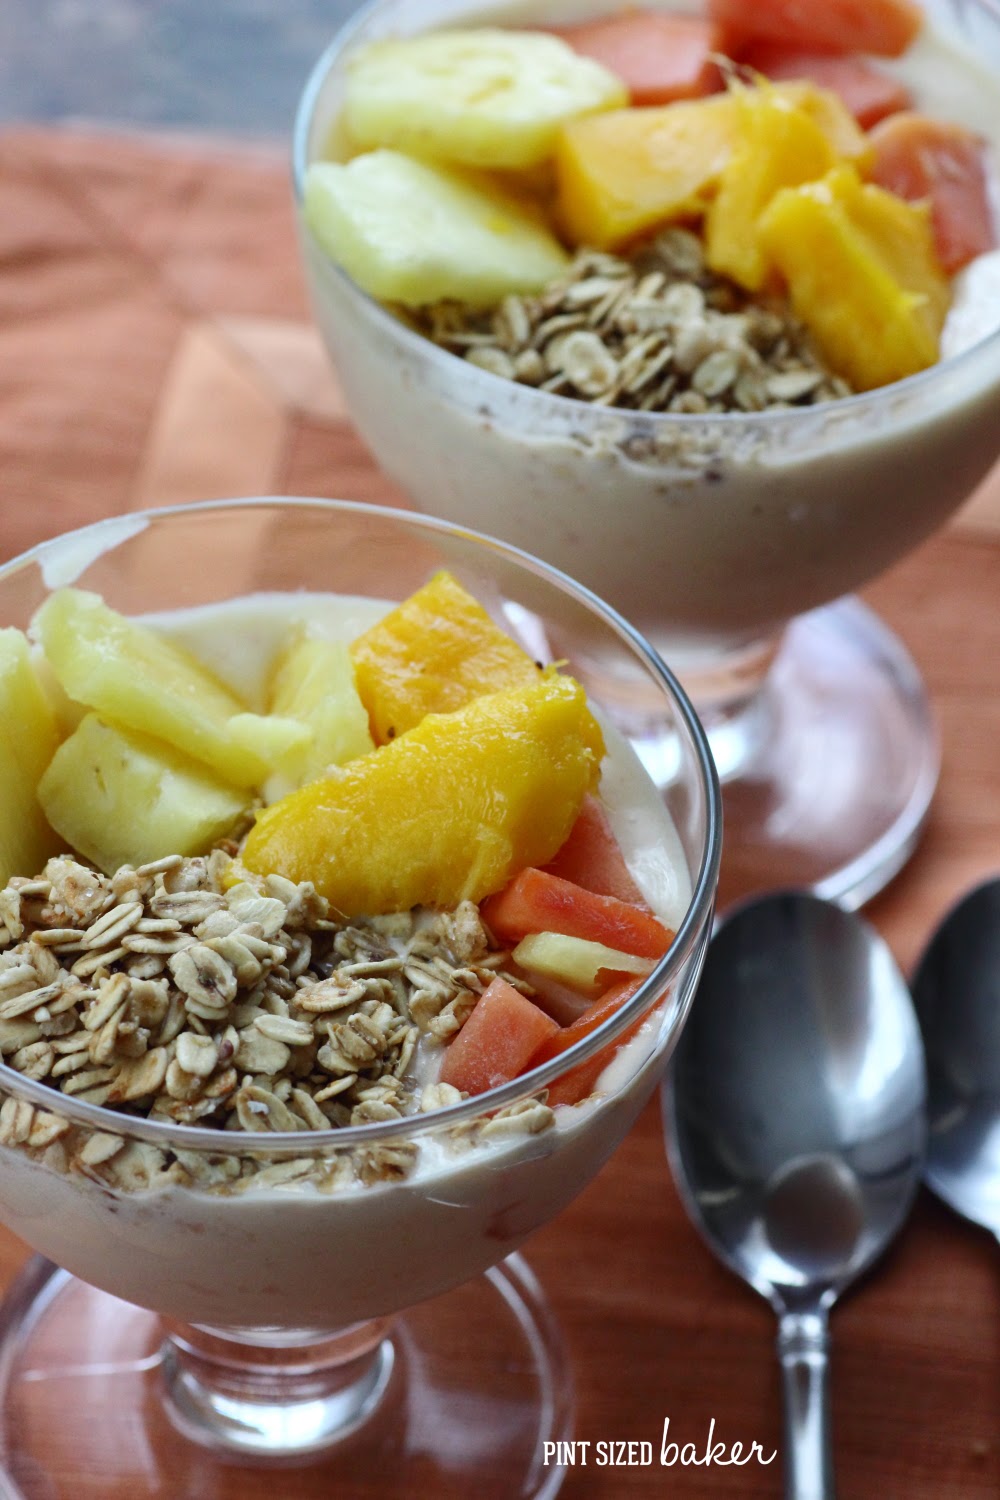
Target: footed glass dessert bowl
731 537
267 1234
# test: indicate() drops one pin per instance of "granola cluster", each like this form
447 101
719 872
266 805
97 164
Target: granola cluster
657 332
180 992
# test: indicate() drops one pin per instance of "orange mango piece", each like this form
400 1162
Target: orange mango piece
433 654
862 274
448 811
827 110
780 146
628 171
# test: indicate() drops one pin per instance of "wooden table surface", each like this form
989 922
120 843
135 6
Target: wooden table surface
154 348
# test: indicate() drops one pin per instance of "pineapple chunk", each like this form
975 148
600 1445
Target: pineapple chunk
413 233
122 798
314 687
270 737
862 275
576 962
622 174
28 737
135 678
433 654
446 813
480 98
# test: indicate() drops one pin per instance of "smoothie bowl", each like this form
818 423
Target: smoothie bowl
694 407
343 938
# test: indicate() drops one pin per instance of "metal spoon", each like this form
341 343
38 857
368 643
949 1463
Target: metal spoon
957 995
795 1115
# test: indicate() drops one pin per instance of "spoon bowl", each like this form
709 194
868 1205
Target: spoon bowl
795 1113
956 992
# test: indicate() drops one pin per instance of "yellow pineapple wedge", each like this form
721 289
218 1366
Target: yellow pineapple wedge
445 813
484 97
135 678
434 653
580 964
123 798
413 232
28 738
314 685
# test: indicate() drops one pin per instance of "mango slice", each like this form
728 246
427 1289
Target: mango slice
122 798
483 97
413 232
632 170
28 738
779 146
447 812
862 275
433 654
829 112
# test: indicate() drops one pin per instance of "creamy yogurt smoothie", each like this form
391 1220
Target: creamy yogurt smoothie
709 530
321 1239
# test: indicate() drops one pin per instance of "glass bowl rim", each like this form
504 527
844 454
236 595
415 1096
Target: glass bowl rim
548 402
309 1142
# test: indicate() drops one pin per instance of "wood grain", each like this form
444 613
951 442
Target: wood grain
154 345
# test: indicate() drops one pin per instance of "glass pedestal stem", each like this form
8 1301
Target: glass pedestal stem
274 1393
828 755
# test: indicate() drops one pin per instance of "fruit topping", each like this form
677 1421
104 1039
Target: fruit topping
138 680
623 174
922 159
448 811
582 965
433 654
313 683
592 857
779 145
411 232
122 798
498 1040
863 275
484 97
658 57
536 902
580 1081
28 738
884 27
865 89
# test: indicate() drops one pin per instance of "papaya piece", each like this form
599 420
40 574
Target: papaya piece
922 159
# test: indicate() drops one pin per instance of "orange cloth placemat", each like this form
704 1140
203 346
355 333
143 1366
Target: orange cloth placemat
155 348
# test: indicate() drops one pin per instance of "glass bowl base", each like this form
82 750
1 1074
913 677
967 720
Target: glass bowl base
477 1383
829 770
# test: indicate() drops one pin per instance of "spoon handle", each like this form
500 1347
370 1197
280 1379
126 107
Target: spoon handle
803 1349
